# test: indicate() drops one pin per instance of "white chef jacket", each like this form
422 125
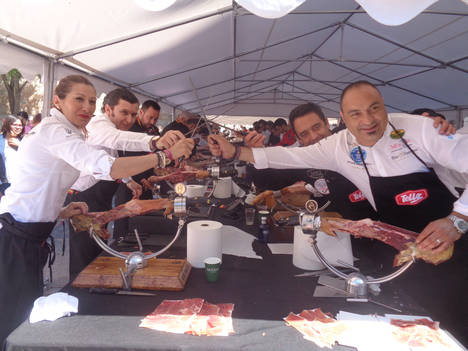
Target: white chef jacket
104 135
50 158
388 157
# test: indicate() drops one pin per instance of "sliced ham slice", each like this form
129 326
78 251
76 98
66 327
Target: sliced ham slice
401 239
191 316
174 316
98 220
421 334
317 326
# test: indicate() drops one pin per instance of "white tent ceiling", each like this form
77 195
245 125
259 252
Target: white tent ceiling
241 64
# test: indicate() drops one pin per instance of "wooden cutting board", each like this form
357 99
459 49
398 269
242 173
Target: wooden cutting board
159 274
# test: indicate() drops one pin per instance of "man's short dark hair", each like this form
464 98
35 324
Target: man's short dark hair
175 126
150 103
303 110
420 111
112 98
280 122
357 84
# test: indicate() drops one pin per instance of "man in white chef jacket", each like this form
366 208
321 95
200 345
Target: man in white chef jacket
390 158
110 131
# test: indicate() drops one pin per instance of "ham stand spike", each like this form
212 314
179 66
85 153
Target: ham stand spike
356 283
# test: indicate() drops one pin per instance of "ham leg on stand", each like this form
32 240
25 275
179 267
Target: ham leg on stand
98 220
401 239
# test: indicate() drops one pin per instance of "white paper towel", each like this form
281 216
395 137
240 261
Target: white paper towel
195 190
332 248
223 188
204 239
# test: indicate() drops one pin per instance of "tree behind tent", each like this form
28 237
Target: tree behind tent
14 87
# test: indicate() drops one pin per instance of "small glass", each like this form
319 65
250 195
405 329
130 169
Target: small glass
249 215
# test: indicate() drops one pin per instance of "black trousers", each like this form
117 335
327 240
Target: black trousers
22 259
83 249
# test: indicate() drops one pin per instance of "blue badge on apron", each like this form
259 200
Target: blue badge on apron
356 156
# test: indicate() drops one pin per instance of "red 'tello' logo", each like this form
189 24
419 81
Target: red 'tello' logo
411 197
356 196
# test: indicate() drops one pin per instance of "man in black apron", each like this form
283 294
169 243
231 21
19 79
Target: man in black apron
413 201
405 189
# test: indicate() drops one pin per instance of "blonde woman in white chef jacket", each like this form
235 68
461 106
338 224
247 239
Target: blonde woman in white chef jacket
52 156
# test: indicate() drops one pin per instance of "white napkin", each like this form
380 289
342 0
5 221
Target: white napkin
238 243
52 307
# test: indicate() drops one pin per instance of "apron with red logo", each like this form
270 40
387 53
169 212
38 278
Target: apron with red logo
412 200
347 199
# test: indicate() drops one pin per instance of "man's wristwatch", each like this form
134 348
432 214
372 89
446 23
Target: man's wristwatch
460 224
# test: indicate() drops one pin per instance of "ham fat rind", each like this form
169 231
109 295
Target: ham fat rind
401 239
98 220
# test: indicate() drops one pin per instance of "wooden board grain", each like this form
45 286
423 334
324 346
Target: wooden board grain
159 274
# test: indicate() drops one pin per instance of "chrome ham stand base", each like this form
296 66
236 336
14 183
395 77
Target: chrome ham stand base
356 284
137 259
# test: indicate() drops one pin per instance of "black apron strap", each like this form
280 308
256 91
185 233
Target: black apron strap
409 148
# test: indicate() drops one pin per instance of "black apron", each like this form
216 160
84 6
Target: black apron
83 249
23 254
347 199
412 201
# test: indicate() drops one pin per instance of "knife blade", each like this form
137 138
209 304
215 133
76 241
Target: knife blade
107 291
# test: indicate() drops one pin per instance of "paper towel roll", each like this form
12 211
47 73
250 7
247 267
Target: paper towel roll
223 188
195 190
204 239
332 248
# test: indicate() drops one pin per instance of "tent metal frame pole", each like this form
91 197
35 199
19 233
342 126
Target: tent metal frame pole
49 77
234 44
185 70
343 12
342 61
239 98
390 84
339 27
401 46
146 32
313 94
230 91
271 67
285 92
289 80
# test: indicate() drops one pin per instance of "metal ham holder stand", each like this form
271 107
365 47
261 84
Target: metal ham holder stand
356 284
137 259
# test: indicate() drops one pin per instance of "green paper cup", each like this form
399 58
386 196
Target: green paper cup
212 266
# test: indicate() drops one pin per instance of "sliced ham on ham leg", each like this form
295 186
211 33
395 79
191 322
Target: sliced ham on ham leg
401 239
98 220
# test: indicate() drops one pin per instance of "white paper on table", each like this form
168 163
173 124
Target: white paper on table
238 243
237 190
369 332
281 248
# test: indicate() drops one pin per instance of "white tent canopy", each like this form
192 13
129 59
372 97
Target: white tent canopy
240 64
